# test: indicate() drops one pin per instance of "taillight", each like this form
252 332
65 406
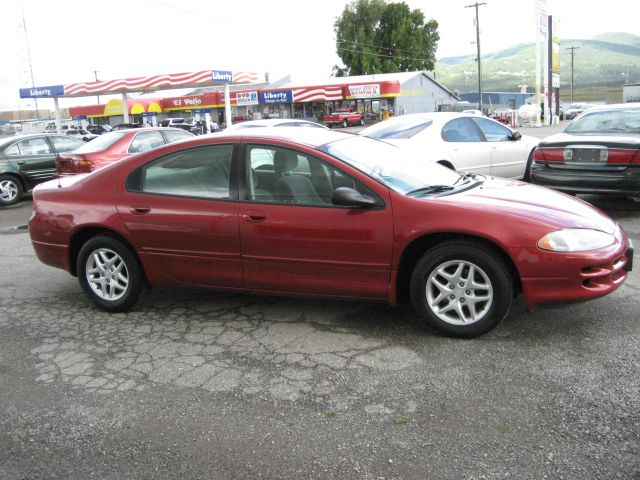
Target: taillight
542 154
623 156
70 163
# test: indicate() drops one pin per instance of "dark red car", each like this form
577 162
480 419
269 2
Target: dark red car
114 146
319 213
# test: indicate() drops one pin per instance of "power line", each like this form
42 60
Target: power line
385 56
377 46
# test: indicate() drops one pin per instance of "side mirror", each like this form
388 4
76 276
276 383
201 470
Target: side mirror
348 197
516 136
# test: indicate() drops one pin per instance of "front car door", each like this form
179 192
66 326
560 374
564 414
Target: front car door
295 240
466 146
508 157
181 210
33 158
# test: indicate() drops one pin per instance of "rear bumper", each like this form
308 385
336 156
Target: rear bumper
620 180
585 276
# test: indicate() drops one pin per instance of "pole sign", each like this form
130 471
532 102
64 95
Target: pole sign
246 98
281 96
40 92
224 76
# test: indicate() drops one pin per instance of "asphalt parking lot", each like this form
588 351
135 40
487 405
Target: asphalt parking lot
194 384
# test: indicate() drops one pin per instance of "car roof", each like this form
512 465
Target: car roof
313 137
269 122
615 106
5 141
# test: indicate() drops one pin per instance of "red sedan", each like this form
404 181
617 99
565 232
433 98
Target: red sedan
114 146
319 213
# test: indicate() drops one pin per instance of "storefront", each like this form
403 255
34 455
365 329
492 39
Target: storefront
141 110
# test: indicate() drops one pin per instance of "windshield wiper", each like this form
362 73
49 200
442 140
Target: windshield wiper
463 177
430 189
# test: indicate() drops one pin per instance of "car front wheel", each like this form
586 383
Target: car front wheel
345 123
109 274
11 190
461 288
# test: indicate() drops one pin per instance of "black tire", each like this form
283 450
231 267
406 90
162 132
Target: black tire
362 122
128 279
11 190
345 123
491 280
527 169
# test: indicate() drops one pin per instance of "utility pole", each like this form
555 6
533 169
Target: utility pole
572 49
95 74
476 5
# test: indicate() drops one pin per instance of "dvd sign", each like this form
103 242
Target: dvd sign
246 98
365 91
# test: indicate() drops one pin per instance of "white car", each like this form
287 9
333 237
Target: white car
275 122
463 142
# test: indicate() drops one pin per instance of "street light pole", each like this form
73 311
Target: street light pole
572 49
476 5
95 74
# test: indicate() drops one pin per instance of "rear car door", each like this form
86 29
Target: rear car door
465 145
508 157
181 210
33 158
295 240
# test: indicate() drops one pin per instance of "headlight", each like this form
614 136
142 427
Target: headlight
575 240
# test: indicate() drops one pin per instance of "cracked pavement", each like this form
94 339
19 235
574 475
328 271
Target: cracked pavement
197 384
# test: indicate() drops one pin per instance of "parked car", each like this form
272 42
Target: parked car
462 142
598 152
99 129
170 122
344 117
275 122
575 109
114 146
28 160
306 211
80 133
125 126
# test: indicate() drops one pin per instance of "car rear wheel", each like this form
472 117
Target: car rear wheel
109 274
527 168
11 190
345 123
461 289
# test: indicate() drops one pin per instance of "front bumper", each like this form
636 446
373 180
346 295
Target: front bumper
575 277
618 180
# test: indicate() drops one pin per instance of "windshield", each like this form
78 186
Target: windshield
392 130
398 169
101 143
607 121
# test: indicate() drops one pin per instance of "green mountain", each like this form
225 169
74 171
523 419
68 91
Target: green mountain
601 66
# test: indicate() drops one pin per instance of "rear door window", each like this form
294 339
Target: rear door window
144 141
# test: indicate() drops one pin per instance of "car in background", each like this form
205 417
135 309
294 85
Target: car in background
463 142
28 160
81 133
598 152
274 122
575 109
125 126
312 212
170 122
114 146
99 129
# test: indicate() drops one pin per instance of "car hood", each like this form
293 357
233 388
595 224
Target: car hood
538 204
564 139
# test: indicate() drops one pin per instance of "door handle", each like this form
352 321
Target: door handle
254 217
21 162
139 210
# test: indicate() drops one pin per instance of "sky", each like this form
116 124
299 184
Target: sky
67 42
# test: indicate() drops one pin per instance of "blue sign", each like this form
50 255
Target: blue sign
38 92
280 96
221 76
202 110
79 117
